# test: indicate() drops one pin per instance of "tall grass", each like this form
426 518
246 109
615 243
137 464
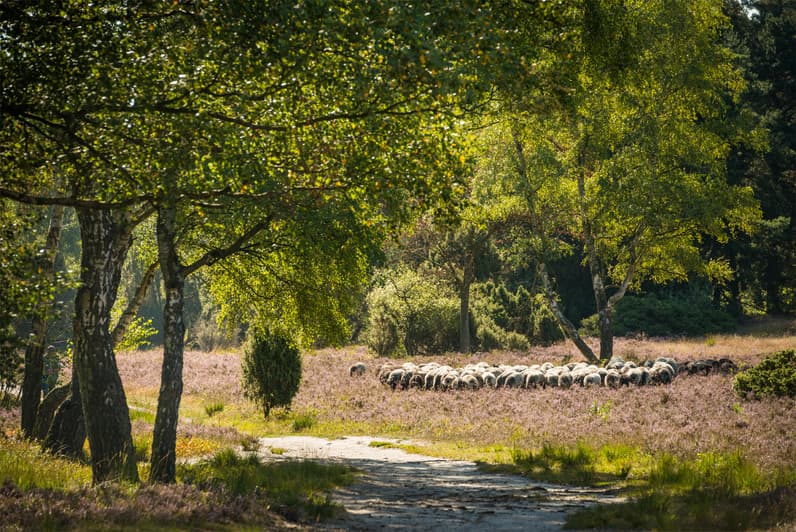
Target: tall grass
714 491
296 489
25 465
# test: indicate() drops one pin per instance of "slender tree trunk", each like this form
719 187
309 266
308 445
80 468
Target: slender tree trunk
464 308
164 441
34 353
605 323
106 239
134 305
569 328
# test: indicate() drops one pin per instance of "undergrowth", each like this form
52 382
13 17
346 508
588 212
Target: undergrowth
296 489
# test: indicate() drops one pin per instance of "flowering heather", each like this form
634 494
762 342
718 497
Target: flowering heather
692 415
122 506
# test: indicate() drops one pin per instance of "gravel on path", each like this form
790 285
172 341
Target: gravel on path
403 491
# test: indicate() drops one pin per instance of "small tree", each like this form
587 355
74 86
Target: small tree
271 370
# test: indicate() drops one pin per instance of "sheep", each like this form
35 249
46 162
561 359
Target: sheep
489 379
501 380
613 379
635 376
394 378
534 378
469 382
384 372
514 380
661 373
565 379
727 366
418 380
357 369
551 379
592 379
667 360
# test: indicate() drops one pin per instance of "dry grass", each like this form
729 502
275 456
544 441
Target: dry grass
693 415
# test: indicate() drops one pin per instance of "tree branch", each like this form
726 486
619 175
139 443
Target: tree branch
215 255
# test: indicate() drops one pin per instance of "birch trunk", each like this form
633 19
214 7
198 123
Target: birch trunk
106 238
164 441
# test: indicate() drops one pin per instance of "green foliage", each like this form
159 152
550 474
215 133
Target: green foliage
690 314
412 314
511 320
138 335
271 370
774 376
296 489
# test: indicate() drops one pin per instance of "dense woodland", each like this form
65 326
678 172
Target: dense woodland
419 177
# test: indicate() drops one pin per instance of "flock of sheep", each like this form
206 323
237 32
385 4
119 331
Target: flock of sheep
434 376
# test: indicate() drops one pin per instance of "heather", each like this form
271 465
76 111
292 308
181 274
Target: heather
695 414
679 449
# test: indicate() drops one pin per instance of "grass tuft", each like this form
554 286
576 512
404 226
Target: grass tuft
214 408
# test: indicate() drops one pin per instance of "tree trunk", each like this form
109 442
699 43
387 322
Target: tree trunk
106 238
569 328
47 409
605 322
464 308
134 305
164 440
67 432
34 353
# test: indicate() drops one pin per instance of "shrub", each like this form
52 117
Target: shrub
412 314
271 370
774 376
690 314
511 320
491 336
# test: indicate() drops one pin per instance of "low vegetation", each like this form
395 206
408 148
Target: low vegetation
686 455
775 376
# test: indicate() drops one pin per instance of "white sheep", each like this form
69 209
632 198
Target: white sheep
592 379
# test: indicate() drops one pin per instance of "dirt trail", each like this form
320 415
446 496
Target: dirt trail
399 490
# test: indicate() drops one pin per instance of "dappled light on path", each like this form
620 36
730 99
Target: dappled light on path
400 490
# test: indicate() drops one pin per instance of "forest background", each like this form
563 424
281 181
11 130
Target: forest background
372 174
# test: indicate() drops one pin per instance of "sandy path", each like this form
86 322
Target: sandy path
399 490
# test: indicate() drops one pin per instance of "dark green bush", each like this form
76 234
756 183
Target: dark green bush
511 319
271 370
690 314
774 376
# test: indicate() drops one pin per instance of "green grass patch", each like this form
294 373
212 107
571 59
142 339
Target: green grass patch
581 464
27 466
304 421
713 491
382 445
296 489
214 408
141 414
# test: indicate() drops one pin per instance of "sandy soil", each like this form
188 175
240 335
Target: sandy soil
399 490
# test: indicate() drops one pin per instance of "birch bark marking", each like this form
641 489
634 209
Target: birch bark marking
106 238
164 440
